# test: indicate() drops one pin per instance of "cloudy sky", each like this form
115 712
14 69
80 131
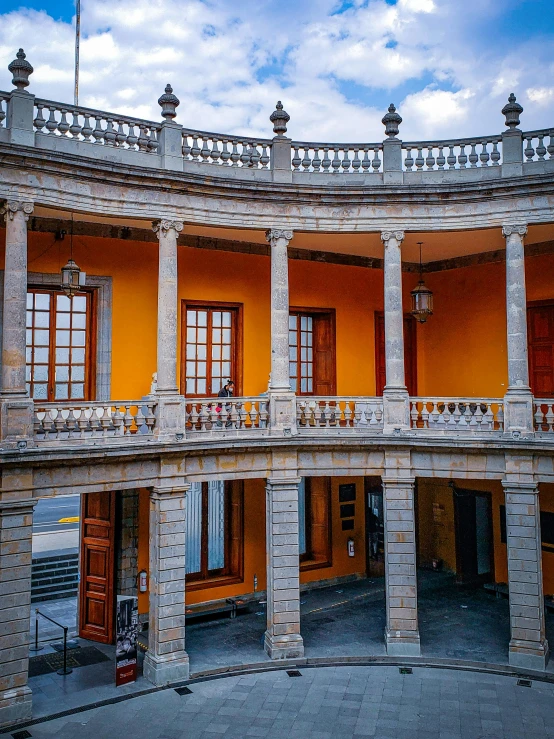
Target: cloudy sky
448 65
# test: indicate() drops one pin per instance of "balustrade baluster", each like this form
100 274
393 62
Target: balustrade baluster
408 159
529 151
420 161
484 156
541 148
121 136
255 156
52 123
366 163
473 156
435 415
441 159
153 142
425 415
129 421
326 163
430 159
550 147
63 125
451 158
296 160
243 417
75 128
225 155
204 151
109 133
264 159
186 148
376 161
336 159
462 157
143 138
495 154
117 420
39 121
414 413
132 138
3 113
306 161
215 153
235 156
539 417
550 416
316 161
245 155
195 149
346 160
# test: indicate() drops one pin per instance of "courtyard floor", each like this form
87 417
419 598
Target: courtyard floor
347 621
326 703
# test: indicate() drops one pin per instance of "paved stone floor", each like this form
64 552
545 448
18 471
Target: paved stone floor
327 703
341 621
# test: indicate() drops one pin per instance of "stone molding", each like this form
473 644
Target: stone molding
275 234
11 207
510 229
165 225
164 493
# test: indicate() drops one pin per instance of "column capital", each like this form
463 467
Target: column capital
11 207
275 234
514 228
17 507
387 235
397 482
520 487
165 224
165 492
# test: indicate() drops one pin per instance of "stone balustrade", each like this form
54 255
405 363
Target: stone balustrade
95 127
4 99
539 145
224 415
341 158
316 413
457 415
231 151
544 415
132 419
455 154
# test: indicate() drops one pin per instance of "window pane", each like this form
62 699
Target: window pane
42 301
77 390
226 335
62 338
191 351
41 354
79 320
216 351
226 319
293 384
292 369
30 297
78 373
302 516
226 352
201 387
42 338
201 369
292 338
216 525
191 369
292 322
62 356
28 355
78 356
216 319
202 336
303 385
191 318
39 392
191 386
304 323
62 374
191 335
61 392
63 302
29 319
79 303
40 373
28 374
62 319
293 353
226 369
201 351
202 318
193 528
216 336
217 384
29 337
78 338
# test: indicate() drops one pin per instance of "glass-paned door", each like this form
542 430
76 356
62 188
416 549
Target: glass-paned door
58 345
301 359
206 529
210 349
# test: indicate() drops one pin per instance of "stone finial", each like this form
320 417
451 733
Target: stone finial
168 102
391 121
279 118
512 111
21 69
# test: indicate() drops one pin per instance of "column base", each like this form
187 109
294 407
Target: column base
164 671
16 706
402 643
521 654
396 410
284 647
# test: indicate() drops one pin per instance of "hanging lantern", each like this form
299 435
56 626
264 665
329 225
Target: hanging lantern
422 297
72 277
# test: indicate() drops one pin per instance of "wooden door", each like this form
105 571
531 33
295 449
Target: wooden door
324 354
540 321
474 538
410 353
96 592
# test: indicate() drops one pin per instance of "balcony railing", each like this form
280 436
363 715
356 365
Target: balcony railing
339 414
132 419
457 415
226 415
544 415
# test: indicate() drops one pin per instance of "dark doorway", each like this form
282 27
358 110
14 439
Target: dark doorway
474 537
374 527
410 353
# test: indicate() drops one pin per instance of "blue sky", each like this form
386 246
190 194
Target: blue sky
448 65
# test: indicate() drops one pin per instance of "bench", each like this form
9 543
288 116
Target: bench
232 606
500 589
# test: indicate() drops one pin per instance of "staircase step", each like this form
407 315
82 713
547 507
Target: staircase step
73 571
46 562
53 595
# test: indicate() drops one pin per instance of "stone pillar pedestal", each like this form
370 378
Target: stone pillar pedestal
282 638
166 660
16 522
518 401
402 630
16 409
396 402
528 644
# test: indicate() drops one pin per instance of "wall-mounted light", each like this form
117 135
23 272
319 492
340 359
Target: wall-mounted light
72 277
422 297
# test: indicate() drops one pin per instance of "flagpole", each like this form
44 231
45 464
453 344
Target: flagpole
77 41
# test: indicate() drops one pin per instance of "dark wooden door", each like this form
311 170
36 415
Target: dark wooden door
474 538
96 593
324 354
410 353
540 321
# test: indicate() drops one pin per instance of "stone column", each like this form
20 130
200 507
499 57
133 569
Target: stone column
395 395
282 406
166 660
402 630
518 415
528 645
16 410
170 412
282 638
16 522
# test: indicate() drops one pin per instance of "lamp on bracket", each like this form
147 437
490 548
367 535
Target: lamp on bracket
72 277
422 297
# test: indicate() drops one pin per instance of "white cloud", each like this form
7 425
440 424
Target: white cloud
335 69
